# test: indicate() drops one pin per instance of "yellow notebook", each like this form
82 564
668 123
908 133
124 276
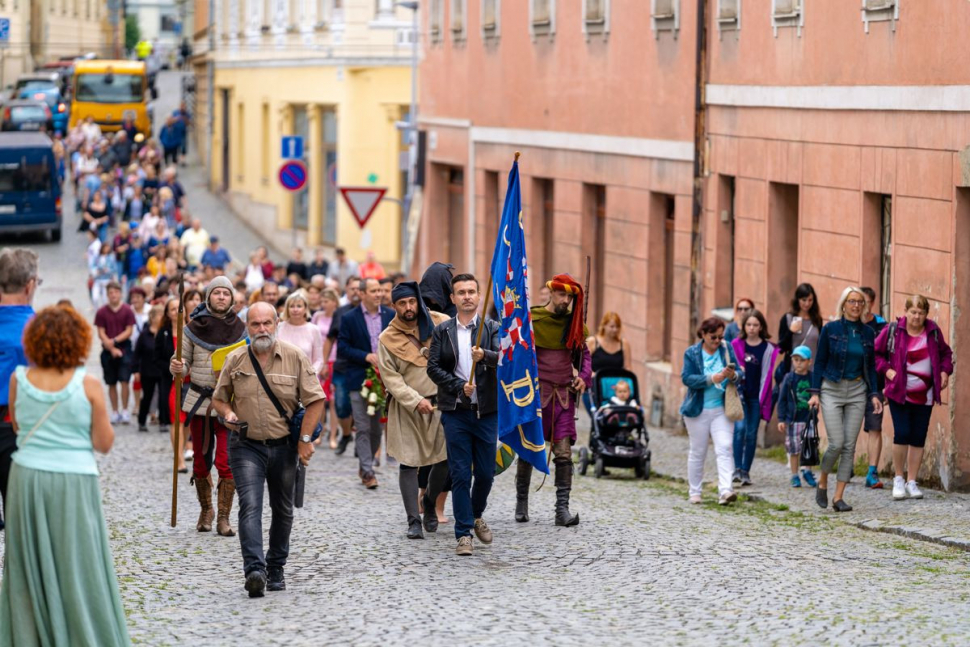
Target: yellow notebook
219 356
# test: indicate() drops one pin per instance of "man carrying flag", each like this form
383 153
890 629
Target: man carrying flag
565 371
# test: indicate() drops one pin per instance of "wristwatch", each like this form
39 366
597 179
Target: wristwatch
305 438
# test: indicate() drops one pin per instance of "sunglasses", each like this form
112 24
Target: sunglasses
716 337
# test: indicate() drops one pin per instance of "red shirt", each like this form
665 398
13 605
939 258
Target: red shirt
114 322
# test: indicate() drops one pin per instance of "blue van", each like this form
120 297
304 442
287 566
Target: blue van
30 194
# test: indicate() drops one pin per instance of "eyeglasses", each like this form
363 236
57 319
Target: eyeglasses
716 337
39 281
855 302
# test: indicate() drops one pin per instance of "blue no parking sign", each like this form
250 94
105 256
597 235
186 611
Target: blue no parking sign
4 32
293 176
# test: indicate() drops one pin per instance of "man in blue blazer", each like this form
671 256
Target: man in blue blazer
357 344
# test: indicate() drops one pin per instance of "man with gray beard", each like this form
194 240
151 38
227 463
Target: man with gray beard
260 447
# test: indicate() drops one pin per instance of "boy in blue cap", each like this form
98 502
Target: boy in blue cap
794 412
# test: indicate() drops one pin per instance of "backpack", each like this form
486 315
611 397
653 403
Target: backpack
891 344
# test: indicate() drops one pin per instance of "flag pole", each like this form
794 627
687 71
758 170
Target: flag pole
488 295
178 401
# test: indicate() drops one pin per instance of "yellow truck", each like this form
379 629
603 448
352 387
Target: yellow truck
109 91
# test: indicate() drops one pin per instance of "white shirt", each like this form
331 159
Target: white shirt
464 367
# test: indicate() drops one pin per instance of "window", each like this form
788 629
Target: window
384 9
665 16
267 154
110 88
267 15
542 17
728 15
167 23
240 141
880 11
458 19
787 13
491 13
596 17
435 18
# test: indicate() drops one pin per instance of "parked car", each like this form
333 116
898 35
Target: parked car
30 194
59 107
26 115
35 81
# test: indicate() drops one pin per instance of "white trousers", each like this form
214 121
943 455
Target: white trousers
711 424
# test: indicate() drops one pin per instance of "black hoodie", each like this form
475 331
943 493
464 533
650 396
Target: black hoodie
436 288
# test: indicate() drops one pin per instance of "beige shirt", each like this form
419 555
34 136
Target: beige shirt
291 377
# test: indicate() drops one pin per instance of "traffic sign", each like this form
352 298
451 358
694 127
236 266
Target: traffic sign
292 147
363 201
293 175
4 32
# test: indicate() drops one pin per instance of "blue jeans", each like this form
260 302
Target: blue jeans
341 396
746 434
252 464
470 441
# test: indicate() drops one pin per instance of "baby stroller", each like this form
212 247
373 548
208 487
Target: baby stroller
618 437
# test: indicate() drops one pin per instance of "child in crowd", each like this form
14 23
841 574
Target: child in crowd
623 394
794 413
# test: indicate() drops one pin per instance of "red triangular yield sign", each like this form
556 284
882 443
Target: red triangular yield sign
362 200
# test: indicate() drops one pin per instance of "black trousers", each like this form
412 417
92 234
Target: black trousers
8 445
164 409
423 474
148 386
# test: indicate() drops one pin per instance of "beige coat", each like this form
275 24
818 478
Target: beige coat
412 438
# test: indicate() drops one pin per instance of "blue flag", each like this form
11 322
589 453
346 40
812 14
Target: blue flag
519 402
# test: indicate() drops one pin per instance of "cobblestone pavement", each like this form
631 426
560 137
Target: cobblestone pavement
643 567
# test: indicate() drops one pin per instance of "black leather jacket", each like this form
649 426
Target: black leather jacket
444 359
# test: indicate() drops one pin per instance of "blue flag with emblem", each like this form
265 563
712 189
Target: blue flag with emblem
519 402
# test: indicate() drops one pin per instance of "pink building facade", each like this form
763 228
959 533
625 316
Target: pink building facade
837 152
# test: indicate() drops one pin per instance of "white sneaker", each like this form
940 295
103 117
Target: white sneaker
899 488
912 491
115 417
695 499
189 454
125 417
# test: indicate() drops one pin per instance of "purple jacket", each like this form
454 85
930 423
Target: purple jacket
941 358
767 371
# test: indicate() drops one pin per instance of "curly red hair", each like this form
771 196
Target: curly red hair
57 337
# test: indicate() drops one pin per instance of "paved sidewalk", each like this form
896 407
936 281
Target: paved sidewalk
940 517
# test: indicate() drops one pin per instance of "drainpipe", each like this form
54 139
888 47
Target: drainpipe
210 73
700 139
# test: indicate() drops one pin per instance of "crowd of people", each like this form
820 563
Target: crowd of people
847 369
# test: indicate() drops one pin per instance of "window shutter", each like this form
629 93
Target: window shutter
457 16
877 5
594 10
786 7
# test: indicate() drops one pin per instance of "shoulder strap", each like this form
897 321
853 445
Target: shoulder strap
414 340
269 392
42 420
891 344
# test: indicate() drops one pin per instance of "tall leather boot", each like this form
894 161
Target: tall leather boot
564 483
227 488
203 487
523 474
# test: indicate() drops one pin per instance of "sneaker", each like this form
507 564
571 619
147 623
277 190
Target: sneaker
142 428
745 479
125 417
482 531
737 476
163 429
913 491
726 498
809 477
899 488
872 479
274 579
695 499
189 454
796 481
115 417
464 546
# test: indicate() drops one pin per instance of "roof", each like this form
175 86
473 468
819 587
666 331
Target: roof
101 66
39 76
13 103
24 140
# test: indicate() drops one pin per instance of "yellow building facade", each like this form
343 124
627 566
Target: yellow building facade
337 74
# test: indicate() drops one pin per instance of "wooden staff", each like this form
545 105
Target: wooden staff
178 401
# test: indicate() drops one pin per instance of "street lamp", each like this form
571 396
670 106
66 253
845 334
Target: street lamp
412 126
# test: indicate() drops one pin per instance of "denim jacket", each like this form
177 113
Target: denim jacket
693 377
833 345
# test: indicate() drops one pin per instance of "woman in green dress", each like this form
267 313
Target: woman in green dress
59 585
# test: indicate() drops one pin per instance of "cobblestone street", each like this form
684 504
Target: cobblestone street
642 568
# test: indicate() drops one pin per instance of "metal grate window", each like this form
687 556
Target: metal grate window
596 17
728 15
491 17
542 17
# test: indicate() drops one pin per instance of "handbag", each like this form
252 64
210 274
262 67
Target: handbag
809 454
295 422
733 408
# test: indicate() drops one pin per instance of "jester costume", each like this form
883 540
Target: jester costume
562 355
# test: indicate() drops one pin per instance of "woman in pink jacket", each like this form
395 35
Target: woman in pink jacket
917 363
758 357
